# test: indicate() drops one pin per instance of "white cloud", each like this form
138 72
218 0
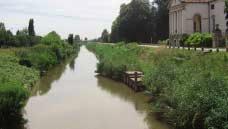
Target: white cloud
84 17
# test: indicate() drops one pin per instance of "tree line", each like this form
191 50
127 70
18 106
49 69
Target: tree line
140 21
26 37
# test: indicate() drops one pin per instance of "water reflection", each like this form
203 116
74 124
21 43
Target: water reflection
139 100
54 74
13 122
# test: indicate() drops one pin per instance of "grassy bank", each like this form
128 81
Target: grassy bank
21 67
191 88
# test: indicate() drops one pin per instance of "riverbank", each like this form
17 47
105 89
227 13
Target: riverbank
190 87
21 68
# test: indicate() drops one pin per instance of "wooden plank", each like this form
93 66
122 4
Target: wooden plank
138 79
133 72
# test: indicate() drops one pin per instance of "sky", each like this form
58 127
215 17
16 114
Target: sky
87 18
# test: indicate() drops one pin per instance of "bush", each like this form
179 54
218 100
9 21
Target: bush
51 38
13 97
199 39
40 57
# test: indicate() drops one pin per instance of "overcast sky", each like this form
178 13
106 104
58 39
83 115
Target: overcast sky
84 17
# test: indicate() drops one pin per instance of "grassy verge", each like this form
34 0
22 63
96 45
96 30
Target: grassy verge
191 88
20 68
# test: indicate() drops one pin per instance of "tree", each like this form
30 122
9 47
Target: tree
71 39
31 30
51 38
2 34
77 38
2 26
86 39
105 36
162 19
139 21
132 23
22 38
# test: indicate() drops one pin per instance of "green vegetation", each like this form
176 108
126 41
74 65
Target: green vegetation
198 40
21 67
114 60
190 87
25 37
105 36
139 21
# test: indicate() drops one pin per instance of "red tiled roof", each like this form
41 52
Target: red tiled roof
196 1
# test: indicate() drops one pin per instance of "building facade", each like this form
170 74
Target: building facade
190 16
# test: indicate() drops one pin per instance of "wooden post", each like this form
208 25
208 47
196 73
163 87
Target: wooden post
195 48
135 76
217 49
202 48
188 47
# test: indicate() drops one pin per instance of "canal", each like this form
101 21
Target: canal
72 96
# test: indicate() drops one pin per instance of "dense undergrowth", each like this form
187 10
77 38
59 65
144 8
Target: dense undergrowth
191 88
20 68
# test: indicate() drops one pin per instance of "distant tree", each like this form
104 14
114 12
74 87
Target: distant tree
70 39
132 23
2 26
31 30
140 21
77 38
162 19
51 38
86 39
105 36
2 34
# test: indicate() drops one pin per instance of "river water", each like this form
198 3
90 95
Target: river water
72 96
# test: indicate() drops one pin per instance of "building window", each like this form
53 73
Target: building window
212 6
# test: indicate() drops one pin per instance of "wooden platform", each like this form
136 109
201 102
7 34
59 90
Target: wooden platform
134 80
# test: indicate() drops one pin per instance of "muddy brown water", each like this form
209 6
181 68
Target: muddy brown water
72 96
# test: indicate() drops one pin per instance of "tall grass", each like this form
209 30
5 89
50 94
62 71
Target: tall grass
190 87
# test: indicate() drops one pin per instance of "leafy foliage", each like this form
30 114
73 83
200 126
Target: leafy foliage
23 37
199 39
31 30
13 97
51 39
70 39
139 21
105 36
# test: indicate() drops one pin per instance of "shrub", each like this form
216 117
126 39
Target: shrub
40 57
51 38
13 97
199 39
